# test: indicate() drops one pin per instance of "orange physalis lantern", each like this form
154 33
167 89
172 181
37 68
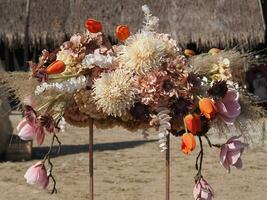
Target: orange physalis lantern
188 143
56 67
193 123
122 32
207 108
93 26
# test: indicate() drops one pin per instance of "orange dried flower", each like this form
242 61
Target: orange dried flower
207 108
56 67
214 51
188 143
93 26
189 53
193 123
122 32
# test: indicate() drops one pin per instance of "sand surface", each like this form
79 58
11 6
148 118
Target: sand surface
129 167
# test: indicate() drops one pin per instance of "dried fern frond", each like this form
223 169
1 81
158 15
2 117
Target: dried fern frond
18 82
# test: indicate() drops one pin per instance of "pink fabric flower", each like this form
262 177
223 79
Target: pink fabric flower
33 125
231 153
202 190
37 174
26 130
40 135
229 108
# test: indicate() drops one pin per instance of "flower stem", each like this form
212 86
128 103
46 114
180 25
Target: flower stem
47 157
199 160
210 144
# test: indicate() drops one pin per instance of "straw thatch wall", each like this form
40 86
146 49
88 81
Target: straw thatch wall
5 124
206 22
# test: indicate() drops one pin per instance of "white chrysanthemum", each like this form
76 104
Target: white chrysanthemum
113 92
142 53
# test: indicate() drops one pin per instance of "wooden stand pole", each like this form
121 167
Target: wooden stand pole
167 163
91 158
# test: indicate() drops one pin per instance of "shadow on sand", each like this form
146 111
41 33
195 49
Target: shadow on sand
38 152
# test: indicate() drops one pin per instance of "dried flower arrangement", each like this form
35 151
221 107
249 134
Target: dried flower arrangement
144 81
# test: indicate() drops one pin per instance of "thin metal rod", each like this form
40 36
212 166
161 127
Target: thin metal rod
91 159
167 163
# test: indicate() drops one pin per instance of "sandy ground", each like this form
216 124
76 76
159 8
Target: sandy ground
129 167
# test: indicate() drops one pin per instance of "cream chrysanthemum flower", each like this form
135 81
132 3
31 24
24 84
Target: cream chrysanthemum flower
113 92
142 53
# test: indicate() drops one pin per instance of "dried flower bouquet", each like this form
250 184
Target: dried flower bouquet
144 81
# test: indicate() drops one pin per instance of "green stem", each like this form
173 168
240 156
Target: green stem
64 76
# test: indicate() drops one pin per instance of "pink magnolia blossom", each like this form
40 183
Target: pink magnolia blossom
202 190
26 130
35 126
231 153
229 108
37 174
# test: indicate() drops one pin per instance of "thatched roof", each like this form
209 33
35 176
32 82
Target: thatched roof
206 22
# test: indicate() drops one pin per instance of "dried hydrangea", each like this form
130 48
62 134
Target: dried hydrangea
171 47
142 53
155 88
113 92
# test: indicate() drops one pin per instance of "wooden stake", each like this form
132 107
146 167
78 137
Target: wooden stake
91 158
167 162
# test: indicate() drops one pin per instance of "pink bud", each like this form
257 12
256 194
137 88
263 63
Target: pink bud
202 190
37 174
